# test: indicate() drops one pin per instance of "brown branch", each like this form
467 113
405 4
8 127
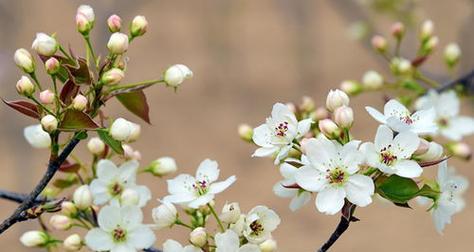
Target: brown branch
466 81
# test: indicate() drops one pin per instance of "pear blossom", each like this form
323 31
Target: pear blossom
112 182
229 242
332 172
298 197
200 190
174 246
260 222
446 105
36 136
392 155
276 136
399 118
120 230
165 215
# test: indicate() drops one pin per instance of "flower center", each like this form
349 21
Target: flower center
119 234
116 189
406 119
443 122
336 176
201 187
256 227
386 156
281 129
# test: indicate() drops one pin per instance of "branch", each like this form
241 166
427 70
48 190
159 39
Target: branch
53 166
152 250
340 229
467 81
19 197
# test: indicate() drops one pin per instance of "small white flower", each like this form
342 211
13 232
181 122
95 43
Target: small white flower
299 197
112 181
278 133
96 146
174 246
120 229
392 155
200 190
260 223
447 105
44 44
36 136
452 53
399 118
332 172
229 242
435 152
165 215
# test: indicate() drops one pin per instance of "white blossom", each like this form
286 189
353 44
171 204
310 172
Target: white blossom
174 246
165 215
298 197
36 136
229 242
260 222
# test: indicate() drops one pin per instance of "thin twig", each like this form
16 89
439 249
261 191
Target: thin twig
467 81
19 197
152 250
340 229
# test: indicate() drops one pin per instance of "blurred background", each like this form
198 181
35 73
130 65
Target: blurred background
246 55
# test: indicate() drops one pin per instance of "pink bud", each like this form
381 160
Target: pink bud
344 116
25 87
423 147
52 66
114 23
113 76
328 128
79 102
46 97
398 30
320 114
139 26
379 43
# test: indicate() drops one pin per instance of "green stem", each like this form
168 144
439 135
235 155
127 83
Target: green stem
35 79
179 222
136 84
426 80
41 105
217 217
90 50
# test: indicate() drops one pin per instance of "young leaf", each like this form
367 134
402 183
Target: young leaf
397 189
64 183
69 91
80 72
75 119
136 103
112 143
67 167
24 107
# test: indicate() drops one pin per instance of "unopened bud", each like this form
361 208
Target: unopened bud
130 154
198 237
427 29
96 146
82 197
129 197
85 18
344 116
49 123
46 96
379 43
45 44
423 147
398 30
461 150
230 213
25 87
320 114
73 243
123 130
34 239
163 166
138 26
308 104
269 245
165 215
401 66
113 76
351 87
68 208
335 99
24 60
52 66
176 74
328 128
452 53
430 45
118 43
372 80
435 151
79 102
114 23
60 222
245 132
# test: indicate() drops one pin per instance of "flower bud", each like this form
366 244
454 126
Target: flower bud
372 80
435 152
68 208
82 197
245 132
328 128
138 26
461 150
398 30
452 53
163 166
129 197
230 213
44 44
198 237
25 87
130 154
34 239
24 60
321 113
118 43
46 96
113 76
308 104
351 87
72 243
85 18
52 66
60 222
335 99
344 116
400 66
269 245
176 74
427 29
430 45
79 102
114 23
423 147
49 123
379 43
96 146
123 130
165 215
36 136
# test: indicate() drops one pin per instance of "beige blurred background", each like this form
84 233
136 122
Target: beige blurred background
246 55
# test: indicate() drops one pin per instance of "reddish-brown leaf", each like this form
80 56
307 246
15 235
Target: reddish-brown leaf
80 71
136 103
75 119
68 167
434 162
68 92
24 107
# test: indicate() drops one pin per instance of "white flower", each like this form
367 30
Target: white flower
174 246
229 242
446 105
111 182
299 197
435 152
120 230
176 74
200 190
165 215
44 44
332 172
392 155
278 133
399 118
49 123
450 201
260 223
36 136
123 130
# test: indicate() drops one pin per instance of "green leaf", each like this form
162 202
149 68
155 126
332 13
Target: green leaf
75 119
414 86
429 192
397 189
65 183
112 143
136 103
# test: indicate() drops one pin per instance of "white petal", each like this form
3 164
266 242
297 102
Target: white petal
201 201
249 248
172 246
109 217
100 191
424 121
99 240
141 237
36 136
304 126
282 191
132 216
310 179
218 187
408 169
320 151
301 199
448 104
180 198
207 171
376 115
145 194
123 247
287 170
359 189
383 137
128 171
283 153
227 241
370 153
265 151
182 184
404 144
262 136
106 170
330 200
281 112
395 108
395 124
